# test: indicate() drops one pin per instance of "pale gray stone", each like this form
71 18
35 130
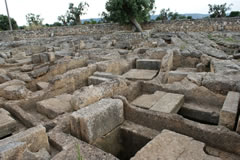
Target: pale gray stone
170 145
86 123
169 103
228 113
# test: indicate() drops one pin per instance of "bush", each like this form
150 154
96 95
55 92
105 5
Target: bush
4 24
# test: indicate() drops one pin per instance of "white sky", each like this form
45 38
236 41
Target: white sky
51 9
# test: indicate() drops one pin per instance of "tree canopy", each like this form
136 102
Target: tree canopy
234 14
129 11
34 20
166 14
218 11
73 14
4 24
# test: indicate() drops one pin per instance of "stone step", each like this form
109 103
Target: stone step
150 64
140 74
171 145
169 103
228 113
87 123
146 101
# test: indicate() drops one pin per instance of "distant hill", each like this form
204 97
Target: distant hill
194 15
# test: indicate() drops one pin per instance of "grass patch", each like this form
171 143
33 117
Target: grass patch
230 39
79 156
182 47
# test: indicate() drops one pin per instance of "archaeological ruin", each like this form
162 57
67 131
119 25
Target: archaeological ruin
104 92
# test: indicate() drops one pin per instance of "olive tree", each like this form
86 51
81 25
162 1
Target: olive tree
218 11
74 13
34 20
129 11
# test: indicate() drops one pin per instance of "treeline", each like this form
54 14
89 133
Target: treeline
121 11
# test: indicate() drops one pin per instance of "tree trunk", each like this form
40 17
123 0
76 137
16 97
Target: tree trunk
78 21
136 24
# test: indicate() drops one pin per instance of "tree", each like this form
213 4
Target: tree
218 11
164 14
64 19
74 13
129 11
4 23
234 14
34 20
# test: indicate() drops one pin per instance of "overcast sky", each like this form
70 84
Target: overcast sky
51 9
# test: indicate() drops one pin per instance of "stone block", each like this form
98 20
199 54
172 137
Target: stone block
43 57
55 106
39 72
171 145
148 100
93 80
228 113
175 76
51 56
12 151
42 85
7 123
150 64
87 123
4 78
169 103
36 59
42 154
91 94
19 75
27 68
140 74
105 75
35 138
15 92
24 117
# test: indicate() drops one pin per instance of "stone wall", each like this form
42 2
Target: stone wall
199 25
203 25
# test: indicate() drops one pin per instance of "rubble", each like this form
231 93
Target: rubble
104 92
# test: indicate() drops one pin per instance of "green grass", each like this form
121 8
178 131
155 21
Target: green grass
79 157
182 47
230 39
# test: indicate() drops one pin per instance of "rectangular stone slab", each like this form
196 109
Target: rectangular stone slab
148 100
97 119
151 64
35 138
7 123
55 106
12 150
140 74
171 145
169 103
228 113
